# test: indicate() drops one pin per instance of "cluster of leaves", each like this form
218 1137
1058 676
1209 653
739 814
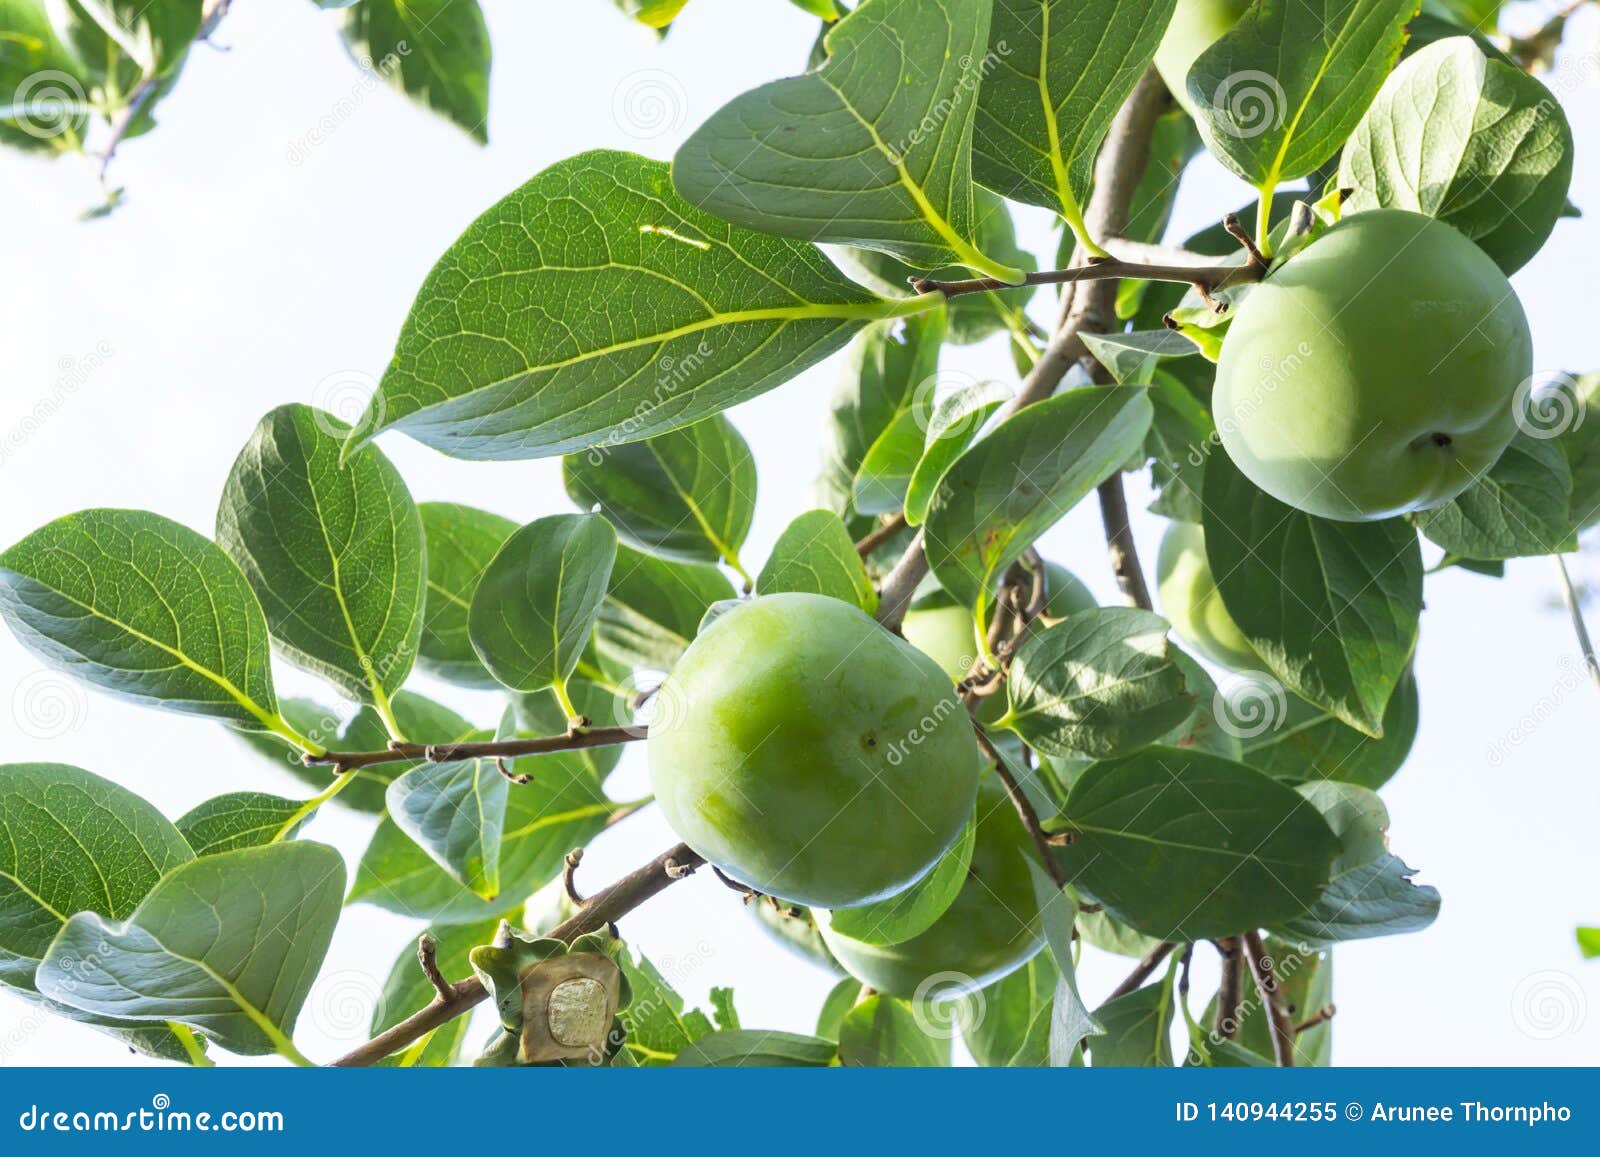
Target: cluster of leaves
608 311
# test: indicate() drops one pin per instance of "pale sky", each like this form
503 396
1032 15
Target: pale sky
278 223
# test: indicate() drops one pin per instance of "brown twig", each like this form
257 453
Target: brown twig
1231 989
569 874
1258 264
1020 801
1321 1016
744 890
428 957
346 761
881 534
603 907
1207 279
1141 971
1282 1028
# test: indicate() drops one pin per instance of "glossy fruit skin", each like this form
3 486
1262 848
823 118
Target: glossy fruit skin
1196 25
991 929
811 754
1374 373
1190 601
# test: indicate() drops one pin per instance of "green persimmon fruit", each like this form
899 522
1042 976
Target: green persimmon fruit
1192 604
1374 373
1195 26
991 928
811 754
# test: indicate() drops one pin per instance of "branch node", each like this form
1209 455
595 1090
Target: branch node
744 891
428 957
517 777
677 871
568 872
1239 233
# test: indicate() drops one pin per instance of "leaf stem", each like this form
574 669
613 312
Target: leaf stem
1207 278
1264 219
192 1047
574 716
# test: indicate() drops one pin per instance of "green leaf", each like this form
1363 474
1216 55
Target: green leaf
434 51
145 36
1278 94
228 945
955 422
1575 398
657 14
1007 1023
1475 142
536 604
659 1028
757 1048
334 553
1182 436
1331 607
1520 506
888 371
243 819
461 543
407 990
886 1032
1070 1019
1370 893
561 809
1132 357
686 494
456 813
1138 1029
874 148
653 609
1011 487
636 314
1589 942
1303 743
72 842
143 608
841 999
914 910
1100 683
815 554
1055 75
1184 845
45 87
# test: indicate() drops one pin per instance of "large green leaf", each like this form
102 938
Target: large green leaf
1138 1029
1007 1023
687 494
1371 893
1070 1020
886 1032
594 306
914 910
1055 75
1578 397
461 543
1331 607
456 813
1475 142
889 372
408 990
1011 487
561 809
659 1025
1101 683
1302 743
242 819
1278 94
1519 506
228 944
815 554
955 422
536 605
753 1048
434 51
1184 845
144 608
874 148
334 553
653 608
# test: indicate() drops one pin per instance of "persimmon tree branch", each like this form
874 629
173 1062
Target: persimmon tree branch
1207 278
576 740
599 911
1141 971
1282 1029
1230 991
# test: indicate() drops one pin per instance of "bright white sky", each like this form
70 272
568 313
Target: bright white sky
251 268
